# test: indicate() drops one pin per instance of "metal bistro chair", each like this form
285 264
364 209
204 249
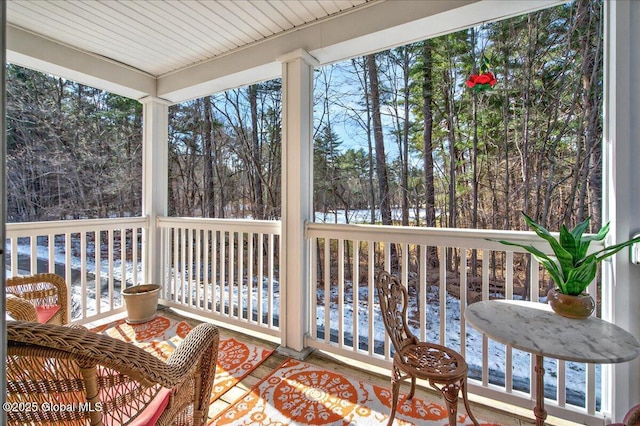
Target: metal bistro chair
443 368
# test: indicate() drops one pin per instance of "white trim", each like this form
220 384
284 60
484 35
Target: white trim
621 172
155 182
297 174
148 99
3 197
39 53
299 54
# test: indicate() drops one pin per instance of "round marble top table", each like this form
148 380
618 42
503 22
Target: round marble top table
590 340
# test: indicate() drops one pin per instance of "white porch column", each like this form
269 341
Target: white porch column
155 178
622 175
3 202
297 174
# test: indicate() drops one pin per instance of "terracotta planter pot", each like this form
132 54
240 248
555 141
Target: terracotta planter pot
141 302
579 307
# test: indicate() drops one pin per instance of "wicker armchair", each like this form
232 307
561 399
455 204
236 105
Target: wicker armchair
19 309
46 292
73 376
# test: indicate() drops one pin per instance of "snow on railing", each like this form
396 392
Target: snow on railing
224 269
97 257
444 270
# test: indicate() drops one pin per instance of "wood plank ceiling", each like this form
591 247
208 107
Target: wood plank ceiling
162 36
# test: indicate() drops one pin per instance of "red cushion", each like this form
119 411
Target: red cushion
45 313
154 410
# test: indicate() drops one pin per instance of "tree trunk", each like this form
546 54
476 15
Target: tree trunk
381 163
255 154
209 187
427 153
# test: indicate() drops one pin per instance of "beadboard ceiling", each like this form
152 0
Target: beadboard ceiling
159 37
177 50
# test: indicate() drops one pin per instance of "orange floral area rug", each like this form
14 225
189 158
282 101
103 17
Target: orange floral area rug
298 393
161 336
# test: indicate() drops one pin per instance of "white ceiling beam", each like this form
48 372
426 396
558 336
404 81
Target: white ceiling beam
33 51
396 23
379 26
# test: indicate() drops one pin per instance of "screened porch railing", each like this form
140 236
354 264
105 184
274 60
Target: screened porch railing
223 269
228 270
444 270
97 257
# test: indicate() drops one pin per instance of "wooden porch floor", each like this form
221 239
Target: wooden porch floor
483 408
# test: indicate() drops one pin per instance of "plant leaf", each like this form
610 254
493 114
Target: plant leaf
597 237
564 257
549 264
611 250
570 243
580 228
580 277
582 242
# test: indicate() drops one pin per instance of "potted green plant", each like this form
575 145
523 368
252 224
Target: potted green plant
571 266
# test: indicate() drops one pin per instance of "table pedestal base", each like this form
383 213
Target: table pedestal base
539 411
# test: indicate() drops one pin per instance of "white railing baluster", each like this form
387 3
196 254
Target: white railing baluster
207 281
485 275
508 281
67 262
371 290
231 282
183 270
534 293
260 278
198 270
355 285
176 262
562 383
251 238
83 280
97 262
327 290
223 271
463 297
442 295
34 253
591 388
404 269
422 302
134 256
52 256
341 292
313 300
387 267
216 279
240 274
110 263
123 259
270 283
